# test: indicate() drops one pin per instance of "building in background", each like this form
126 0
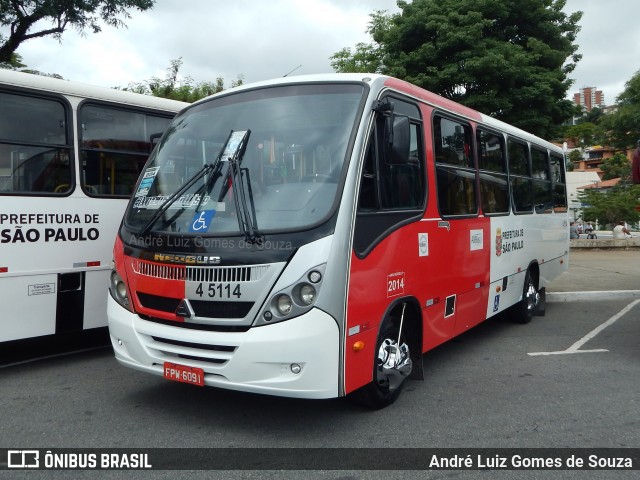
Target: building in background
589 98
577 180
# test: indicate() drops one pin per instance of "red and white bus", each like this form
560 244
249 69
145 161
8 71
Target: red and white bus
70 155
313 236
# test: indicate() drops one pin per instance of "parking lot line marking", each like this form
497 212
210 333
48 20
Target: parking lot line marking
567 352
575 348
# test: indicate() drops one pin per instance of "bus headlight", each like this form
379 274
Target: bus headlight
306 294
294 300
284 304
118 290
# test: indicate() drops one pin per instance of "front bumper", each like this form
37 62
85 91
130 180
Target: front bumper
258 360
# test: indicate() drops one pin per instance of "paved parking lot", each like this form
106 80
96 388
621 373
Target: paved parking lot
600 270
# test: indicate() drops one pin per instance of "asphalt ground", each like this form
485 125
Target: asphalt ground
598 274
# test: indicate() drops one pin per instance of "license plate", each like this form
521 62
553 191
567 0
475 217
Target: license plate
182 373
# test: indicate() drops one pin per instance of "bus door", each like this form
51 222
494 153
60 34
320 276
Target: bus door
460 241
385 268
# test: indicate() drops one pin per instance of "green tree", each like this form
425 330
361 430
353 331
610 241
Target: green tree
594 116
185 89
582 134
617 166
623 126
55 16
14 63
574 157
612 206
507 59
367 57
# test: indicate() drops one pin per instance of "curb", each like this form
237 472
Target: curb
592 296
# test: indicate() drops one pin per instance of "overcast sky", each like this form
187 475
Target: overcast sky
263 39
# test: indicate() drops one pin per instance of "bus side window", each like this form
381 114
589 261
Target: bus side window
494 185
520 176
115 144
542 193
455 169
392 187
558 183
34 146
368 199
390 194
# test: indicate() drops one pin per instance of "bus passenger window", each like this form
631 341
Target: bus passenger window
34 146
558 183
542 193
520 176
456 173
494 185
114 145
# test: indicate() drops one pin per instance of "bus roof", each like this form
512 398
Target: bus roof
381 81
66 87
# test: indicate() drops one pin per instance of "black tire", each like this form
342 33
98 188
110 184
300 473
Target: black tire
389 374
523 310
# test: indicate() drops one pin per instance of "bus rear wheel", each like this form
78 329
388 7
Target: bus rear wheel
523 311
392 366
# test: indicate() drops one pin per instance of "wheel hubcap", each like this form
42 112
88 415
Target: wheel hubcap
532 297
394 364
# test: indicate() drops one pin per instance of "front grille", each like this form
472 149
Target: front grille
172 350
200 346
196 326
220 309
201 308
226 274
251 273
158 270
155 302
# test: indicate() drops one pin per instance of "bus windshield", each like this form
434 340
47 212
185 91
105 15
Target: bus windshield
290 166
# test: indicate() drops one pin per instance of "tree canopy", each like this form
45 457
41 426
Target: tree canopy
508 59
610 207
29 19
176 88
623 126
617 166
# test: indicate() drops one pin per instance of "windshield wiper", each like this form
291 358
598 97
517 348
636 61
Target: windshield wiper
246 218
206 168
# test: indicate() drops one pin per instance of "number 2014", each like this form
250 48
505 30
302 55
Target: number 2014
394 285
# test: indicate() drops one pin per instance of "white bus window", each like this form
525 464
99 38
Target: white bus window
34 150
494 187
559 187
520 177
115 145
542 193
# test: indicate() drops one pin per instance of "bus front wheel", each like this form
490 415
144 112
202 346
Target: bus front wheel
392 366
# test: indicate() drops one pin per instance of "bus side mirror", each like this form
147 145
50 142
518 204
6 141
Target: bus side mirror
399 142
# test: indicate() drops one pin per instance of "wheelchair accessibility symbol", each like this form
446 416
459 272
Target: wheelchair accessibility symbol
201 221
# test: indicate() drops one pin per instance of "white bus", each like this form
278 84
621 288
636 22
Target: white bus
314 236
70 155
